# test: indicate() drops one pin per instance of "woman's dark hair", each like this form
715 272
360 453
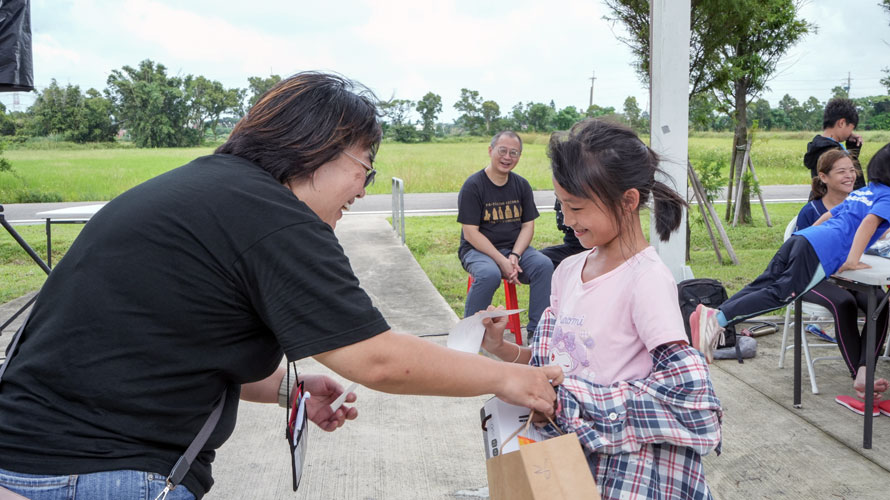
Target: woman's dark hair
879 166
824 165
303 122
600 161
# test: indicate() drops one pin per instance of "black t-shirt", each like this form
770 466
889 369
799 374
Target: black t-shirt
190 283
499 211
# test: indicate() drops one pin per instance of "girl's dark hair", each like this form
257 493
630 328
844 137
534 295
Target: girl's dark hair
824 165
600 161
303 122
879 166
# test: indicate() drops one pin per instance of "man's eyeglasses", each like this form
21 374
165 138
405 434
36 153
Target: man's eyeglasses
372 172
503 151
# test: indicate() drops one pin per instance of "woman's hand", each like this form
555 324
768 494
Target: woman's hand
852 266
530 386
324 391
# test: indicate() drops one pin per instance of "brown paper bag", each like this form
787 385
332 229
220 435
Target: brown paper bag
554 469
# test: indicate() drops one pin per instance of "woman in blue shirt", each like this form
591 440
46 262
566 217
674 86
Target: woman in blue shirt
835 181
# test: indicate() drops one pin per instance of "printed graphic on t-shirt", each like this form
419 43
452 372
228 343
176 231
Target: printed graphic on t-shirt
496 212
570 347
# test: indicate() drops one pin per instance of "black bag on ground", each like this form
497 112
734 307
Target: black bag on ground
709 292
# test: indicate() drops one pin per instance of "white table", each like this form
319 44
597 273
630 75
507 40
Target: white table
870 281
70 215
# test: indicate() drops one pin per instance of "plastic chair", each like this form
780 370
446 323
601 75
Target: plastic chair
511 303
811 313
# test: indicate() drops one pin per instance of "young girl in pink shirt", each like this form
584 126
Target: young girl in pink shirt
638 396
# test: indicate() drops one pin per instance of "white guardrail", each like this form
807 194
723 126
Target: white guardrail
398 207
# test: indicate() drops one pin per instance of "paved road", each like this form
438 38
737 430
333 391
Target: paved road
415 204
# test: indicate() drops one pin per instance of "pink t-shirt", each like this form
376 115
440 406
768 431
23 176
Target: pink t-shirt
606 327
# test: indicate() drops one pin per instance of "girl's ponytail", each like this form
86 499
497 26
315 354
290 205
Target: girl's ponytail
668 209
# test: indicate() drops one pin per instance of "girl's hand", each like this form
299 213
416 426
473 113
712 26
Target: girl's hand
852 266
494 330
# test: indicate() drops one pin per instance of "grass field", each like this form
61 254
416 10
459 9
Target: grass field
434 240
101 174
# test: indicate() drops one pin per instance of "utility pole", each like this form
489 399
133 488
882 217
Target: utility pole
592 78
848 84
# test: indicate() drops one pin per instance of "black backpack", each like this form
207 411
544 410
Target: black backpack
711 293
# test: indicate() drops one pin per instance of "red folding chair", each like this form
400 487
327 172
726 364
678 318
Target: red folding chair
512 303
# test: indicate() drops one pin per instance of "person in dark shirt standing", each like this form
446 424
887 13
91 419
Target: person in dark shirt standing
190 289
838 123
496 208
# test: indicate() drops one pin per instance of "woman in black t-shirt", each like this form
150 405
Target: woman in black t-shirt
148 321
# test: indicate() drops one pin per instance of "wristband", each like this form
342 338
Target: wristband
284 388
516 254
518 353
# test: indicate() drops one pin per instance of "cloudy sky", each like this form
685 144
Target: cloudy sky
510 51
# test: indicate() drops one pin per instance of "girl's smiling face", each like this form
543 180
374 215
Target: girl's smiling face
594 226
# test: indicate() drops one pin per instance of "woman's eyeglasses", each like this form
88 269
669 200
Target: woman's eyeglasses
372 172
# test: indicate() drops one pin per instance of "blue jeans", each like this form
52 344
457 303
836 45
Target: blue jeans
537 269
116 484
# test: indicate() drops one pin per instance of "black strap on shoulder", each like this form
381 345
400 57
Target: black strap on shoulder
182 466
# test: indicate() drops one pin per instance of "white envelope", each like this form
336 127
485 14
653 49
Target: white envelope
467 334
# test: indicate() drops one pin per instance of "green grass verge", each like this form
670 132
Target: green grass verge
18 273
434 241
437 167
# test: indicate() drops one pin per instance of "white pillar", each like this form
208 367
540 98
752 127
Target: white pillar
669 114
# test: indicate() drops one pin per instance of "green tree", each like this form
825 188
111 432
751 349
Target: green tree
151 106
596 111
761 113
257 86
701 111
397 113
49 111
470 105
632 112
429 108
519 116
812 114
734 48
7 124
490 113
886 80
71 114
541 117
839 91
566 117
207 101
96 123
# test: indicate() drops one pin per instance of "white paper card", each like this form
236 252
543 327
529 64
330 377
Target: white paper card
340 400
467 334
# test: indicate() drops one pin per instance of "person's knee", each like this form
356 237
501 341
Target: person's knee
486 274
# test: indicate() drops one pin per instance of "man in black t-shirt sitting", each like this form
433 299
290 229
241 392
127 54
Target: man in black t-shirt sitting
497 211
